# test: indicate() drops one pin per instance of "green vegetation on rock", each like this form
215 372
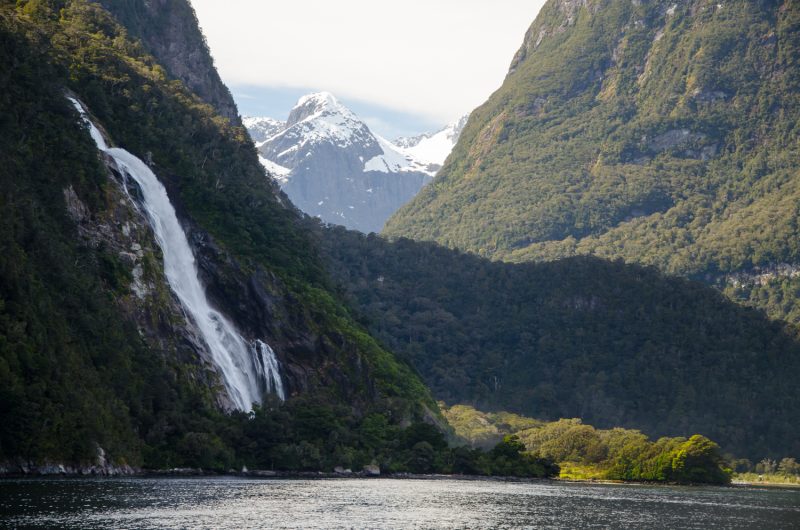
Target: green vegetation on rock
83 362
661 133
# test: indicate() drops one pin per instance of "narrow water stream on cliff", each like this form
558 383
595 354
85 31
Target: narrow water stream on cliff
248 369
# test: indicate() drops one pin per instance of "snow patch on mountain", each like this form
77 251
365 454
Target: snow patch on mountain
332 166
261 128
394 160
320 117
433 149
276 171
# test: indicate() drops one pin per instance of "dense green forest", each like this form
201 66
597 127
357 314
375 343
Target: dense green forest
305 435
584 452
661 133
85 363
82 364
613 344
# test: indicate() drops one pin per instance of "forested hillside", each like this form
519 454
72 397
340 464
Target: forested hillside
94 350
663 133
99 361
613 344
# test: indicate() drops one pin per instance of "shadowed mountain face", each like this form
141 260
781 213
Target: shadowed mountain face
664 133
333 167
614 344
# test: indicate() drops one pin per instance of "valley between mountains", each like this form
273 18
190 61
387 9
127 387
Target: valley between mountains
592 274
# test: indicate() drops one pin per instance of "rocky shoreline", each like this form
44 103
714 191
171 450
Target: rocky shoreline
56 470
102 468
47 469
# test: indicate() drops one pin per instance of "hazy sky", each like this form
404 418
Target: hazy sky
408 62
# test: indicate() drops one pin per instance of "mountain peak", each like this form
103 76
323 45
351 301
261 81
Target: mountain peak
333 166
316 104
320 99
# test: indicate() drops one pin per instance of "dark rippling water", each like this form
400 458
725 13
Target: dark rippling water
238 503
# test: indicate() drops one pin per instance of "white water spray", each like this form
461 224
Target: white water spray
248 370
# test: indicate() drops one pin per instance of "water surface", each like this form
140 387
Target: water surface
235 503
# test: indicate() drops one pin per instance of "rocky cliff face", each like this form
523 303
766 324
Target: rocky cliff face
333 167
312 360
256 300
169 30
120 229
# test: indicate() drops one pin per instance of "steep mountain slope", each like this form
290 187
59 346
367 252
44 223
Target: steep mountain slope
613 344
169 31
333 167
661 132
95 347
433 148
98 359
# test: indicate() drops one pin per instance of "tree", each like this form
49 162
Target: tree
698 460
423 458
767 466
789 466
509 458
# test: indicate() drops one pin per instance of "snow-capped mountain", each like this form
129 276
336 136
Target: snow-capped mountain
432 148
332 166
262 128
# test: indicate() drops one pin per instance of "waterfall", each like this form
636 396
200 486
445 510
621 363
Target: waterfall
267 368
249 370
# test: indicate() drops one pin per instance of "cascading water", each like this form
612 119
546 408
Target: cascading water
248 370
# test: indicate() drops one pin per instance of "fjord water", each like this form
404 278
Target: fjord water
237 503
248 370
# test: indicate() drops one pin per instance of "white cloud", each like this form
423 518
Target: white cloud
435 58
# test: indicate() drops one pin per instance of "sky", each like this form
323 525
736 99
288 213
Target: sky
404 67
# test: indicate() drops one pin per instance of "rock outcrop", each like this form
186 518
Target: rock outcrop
169 30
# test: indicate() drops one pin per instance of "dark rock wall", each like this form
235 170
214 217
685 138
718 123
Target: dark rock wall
169 30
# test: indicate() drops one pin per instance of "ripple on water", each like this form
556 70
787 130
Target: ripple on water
235 503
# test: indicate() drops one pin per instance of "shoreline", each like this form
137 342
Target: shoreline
743 484
254 474
322 475
55 471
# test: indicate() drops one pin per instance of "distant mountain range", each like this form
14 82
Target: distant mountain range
262 128
433 148
332 166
